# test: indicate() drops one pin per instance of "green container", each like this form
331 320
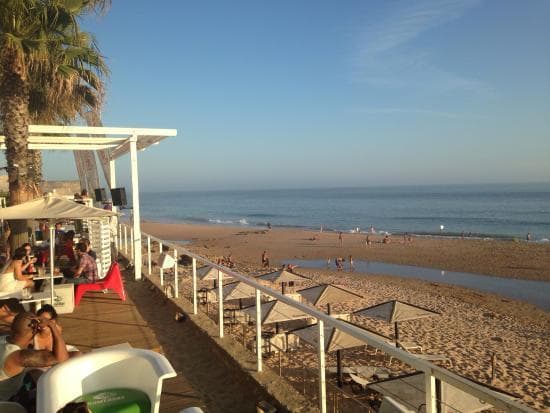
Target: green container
117 401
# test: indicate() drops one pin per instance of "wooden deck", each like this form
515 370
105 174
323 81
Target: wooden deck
103 320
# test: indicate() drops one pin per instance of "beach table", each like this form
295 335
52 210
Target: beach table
63 298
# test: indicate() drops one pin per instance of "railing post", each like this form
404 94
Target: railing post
194 286
431 400
126 240
220 302
176 287
149 254
160 266
132 243
322 383
119 246
258 331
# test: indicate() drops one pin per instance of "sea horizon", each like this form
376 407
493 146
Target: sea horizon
482 210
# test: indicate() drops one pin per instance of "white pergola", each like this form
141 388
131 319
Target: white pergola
120 141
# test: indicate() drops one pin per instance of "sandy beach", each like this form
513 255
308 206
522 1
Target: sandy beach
472 327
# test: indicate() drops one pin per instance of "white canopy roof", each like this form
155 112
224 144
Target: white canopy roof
50 207
44 137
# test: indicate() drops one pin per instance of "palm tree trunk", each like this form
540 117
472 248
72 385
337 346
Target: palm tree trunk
14 100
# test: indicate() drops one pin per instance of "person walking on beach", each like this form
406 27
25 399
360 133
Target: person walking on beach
528 237
265 259
367 240
328 263
351 266
340 239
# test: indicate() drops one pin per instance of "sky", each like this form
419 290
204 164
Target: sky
328 94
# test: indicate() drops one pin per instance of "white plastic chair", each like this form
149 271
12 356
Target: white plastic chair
11 407
102 370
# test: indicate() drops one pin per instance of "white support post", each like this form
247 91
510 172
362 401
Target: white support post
258 331
161 273
220 302
322 383
119 246
194 286
52 260
176 287
125 239
112 184
431 399
149 254
132 246
135 206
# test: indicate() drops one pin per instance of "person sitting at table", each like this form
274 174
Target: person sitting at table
86 271
13 279
28 259
44 339
67 249
16 359
89 248
9 308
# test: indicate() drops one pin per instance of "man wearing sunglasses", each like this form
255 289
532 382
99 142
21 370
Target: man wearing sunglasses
16 358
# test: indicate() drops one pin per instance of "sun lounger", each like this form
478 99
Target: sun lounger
358 381
406 345
435 357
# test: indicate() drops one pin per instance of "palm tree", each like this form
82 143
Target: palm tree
43 54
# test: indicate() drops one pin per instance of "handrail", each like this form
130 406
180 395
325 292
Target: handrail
494 398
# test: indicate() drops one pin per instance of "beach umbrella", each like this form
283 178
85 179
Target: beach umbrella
208 273
410 389
335 340
394 312
276 311
283 277
325 294
237 291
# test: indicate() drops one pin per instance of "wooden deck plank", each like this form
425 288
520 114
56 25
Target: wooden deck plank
103 320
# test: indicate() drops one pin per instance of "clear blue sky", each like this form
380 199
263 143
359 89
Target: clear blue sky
323 93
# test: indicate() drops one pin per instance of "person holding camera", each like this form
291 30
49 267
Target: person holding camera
16 358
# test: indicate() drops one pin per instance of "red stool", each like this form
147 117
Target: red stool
112 281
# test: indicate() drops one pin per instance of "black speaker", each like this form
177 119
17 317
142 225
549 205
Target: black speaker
119 196
100 195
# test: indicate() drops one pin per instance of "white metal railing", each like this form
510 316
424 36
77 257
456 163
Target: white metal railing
430 370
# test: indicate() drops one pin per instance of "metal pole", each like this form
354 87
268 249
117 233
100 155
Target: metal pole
431 400
176 287
125 240
322 383
160 266
258 331
52 259
135 206
194 286
220 302
132 246
149 254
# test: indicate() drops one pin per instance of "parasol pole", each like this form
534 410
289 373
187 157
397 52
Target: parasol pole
338 357
52 257
396 329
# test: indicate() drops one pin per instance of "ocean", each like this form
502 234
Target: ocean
495 211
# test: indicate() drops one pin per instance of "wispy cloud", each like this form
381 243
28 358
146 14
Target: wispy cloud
386 56
410 19
417 111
